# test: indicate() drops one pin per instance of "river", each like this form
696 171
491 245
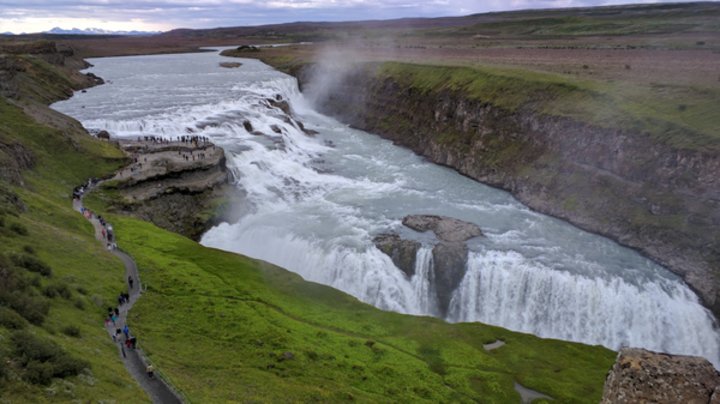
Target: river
314 204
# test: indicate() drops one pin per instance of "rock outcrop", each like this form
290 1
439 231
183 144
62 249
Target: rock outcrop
445 228
641 376
449 255
181 187
402 252
631 187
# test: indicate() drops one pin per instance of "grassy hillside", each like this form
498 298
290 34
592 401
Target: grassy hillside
56 282
223 327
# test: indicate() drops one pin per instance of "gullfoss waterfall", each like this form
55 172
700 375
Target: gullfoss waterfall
315 202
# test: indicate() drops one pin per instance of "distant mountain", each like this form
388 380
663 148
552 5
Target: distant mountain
7 33
98 31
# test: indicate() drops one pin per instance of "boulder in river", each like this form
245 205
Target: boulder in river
449 267
402 252
449 255
641 376
445 228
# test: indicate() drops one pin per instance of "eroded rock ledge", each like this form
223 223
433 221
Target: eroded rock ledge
641 376
180 186
449 254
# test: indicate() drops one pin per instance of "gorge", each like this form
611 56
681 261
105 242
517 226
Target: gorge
314 204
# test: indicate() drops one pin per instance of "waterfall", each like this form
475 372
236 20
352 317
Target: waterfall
505 289
316 202
422 282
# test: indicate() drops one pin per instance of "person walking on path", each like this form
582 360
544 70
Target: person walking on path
130 281
150 370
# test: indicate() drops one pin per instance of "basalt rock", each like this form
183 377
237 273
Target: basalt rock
281 104
641 376
449 267
402 252
445 228
449 255
180 187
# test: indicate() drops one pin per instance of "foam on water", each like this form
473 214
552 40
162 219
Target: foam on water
315 204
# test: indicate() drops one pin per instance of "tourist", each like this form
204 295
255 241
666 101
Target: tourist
150 370
130 281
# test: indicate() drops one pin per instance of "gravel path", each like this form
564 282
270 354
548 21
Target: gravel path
135 362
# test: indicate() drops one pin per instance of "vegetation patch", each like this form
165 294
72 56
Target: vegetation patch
40 360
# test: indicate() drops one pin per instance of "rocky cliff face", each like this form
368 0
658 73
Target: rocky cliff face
658 199
641 376
180 186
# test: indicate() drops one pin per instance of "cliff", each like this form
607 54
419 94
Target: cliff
183 187
655 190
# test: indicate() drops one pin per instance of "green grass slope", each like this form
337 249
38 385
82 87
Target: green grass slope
223 327
55 280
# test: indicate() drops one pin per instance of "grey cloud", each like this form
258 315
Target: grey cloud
216 13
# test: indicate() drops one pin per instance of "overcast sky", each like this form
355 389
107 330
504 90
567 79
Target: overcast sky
161 15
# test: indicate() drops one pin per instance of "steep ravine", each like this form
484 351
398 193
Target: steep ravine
661 200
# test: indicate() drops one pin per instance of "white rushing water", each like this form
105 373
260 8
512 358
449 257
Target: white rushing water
315 203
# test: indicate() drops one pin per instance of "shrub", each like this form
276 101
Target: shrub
71 331
33 308
32 264
29 249
19 229
38 372
81 290
43 359
79 304
10 319
57 289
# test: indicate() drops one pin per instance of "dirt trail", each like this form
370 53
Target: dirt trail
135 362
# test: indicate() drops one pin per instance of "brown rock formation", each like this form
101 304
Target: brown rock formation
449 255
181 187
445 228
402 252
641 376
